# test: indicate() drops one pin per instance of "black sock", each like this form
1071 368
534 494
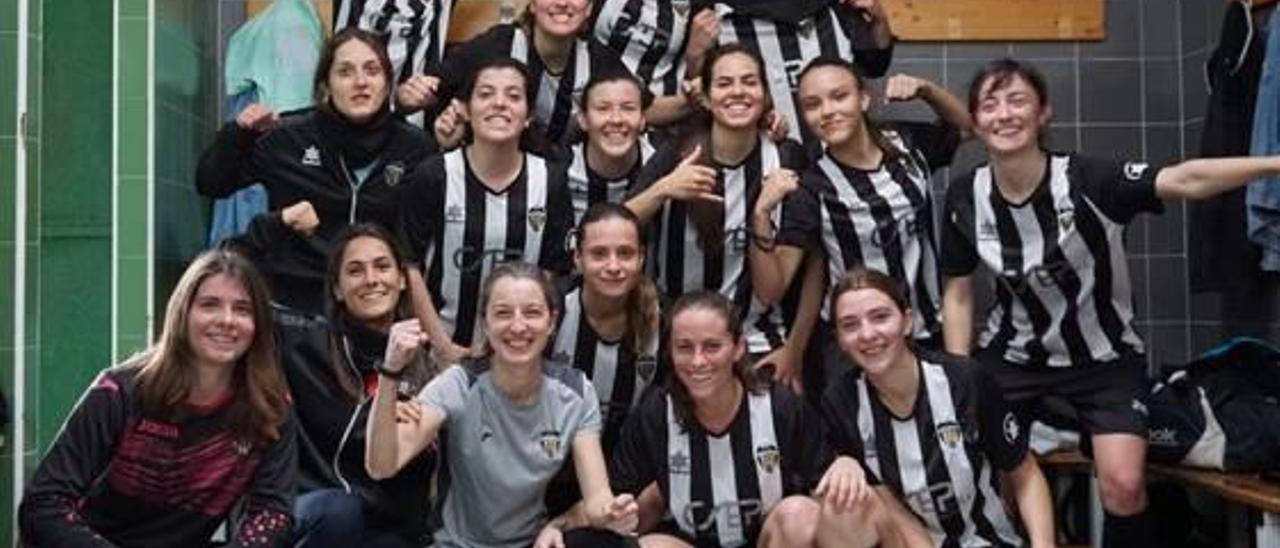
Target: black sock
1126 531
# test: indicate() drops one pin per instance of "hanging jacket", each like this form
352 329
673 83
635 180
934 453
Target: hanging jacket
1263 197
1222 258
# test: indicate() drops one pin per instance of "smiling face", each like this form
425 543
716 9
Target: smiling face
560 18
356 81
220 324
736 96
369 282
1011 117
610 257
498 107
518 320
703 352
871 329
833 104
613 117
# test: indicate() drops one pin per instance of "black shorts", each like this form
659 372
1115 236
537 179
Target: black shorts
1105 398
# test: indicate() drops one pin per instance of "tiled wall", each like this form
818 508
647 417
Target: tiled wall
186 95
1251 306
1139 94
18 253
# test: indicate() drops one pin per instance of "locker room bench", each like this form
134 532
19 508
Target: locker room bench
1248 495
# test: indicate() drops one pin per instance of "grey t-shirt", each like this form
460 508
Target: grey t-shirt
499 457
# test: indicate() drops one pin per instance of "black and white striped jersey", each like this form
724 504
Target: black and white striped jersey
788 35
1063 293
415 31
941 460
649 36
457 229
620 373
881 218
589 188
683 259
556 96
718 486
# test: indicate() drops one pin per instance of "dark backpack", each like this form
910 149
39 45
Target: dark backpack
1219 411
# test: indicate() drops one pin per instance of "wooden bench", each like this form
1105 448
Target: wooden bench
1248 492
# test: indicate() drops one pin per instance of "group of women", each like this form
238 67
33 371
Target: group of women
604 343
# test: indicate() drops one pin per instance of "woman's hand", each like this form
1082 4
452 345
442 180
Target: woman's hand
904 87
777 185
301 217
403 345
622 516
417 92
408 412
844 485
550 537
775 126
690 181
704 30
257 118
451 126
785 365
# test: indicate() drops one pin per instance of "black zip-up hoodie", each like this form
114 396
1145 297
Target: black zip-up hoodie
331 433
313 155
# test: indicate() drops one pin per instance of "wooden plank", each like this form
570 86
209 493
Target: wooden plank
1248 489
1003 20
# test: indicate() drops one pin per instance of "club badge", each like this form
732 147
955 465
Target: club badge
537 218
550 442
767 457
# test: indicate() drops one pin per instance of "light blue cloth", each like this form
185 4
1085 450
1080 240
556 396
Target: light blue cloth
231 215
270 60
277 52
1263 197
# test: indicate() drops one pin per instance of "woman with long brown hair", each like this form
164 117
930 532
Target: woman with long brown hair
934 430
697 193
161 448
331 365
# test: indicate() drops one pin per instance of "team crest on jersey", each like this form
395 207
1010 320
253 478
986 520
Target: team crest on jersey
1066 218
679 464
646 367
950 435
455 214
393 173
537 218
1011 428
768 458
561 356
311 156
550 442
1134 170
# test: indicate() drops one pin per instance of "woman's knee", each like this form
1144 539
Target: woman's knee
791 522
328 517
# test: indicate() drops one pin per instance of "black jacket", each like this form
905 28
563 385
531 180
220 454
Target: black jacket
299 161
331 423
119 476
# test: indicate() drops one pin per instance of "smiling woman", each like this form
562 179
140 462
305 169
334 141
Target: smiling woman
337 163
209 386
698 191
476 206
511 420
332 369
